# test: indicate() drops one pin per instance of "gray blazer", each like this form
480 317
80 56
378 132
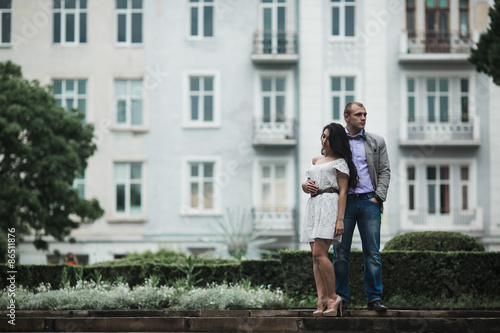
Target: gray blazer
378 165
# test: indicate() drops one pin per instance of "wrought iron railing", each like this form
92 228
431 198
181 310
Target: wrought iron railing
443 219
274 129
275 42
440 128
279 218
439 42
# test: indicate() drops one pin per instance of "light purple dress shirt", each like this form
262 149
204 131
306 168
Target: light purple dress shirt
359 159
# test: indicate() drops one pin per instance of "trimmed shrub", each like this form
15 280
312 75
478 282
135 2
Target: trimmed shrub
433 241
263 272
424 277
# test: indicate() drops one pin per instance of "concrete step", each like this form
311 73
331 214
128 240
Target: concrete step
297 320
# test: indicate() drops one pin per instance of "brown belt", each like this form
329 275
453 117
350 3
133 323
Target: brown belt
326 190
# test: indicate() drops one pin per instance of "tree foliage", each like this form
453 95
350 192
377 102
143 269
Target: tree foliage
42 148
486 55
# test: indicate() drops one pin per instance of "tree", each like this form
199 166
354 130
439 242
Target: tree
42 148
486 55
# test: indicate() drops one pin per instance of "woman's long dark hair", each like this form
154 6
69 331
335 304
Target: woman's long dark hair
339 144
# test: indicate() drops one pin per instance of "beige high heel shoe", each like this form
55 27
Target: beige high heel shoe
319 313
333 311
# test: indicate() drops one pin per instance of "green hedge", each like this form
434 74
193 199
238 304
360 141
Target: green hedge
416 276
419 278
266 272
433 241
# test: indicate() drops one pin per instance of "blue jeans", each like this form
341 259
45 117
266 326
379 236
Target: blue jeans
366 214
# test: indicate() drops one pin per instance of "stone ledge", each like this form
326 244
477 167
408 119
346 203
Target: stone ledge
258 321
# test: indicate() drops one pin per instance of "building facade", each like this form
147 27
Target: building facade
208 105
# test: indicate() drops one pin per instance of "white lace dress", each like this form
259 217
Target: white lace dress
322 210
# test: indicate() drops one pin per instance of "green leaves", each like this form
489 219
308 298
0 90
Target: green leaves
42 147
486 55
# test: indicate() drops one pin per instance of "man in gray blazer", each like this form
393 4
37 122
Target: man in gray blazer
364 207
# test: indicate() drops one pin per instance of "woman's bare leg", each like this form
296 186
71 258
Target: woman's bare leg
324 275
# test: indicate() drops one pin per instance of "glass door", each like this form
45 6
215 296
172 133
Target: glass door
274 26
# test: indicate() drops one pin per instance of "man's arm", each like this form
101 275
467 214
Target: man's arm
384 173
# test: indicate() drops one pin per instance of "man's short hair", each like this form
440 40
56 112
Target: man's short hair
348 107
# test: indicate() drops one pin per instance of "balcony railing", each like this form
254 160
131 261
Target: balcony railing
443 131
470 220
279 131
439 42
275 46
275 220
444 46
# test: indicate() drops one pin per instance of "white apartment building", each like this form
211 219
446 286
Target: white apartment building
204 105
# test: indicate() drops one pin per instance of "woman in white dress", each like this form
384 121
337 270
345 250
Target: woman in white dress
328 178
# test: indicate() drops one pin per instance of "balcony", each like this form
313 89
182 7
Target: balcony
275 47
274 132
441 46
275 221
469 221
441 132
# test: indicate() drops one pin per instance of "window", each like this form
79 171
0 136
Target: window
464 99
437 99
128 95
79 184
273 187
201 185
342 92
71 94
201 99
464 187
410 18
5 21
201 18
438 189
437 26
128 188
343 18
129 22
411 99
464 18
273 90
411 187
70 21
274 38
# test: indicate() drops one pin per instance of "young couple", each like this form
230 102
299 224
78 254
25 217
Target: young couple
348 183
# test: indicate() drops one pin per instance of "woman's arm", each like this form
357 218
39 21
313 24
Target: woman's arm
342 180
309 186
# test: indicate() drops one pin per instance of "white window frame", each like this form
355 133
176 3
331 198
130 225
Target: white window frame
464 94
289 92
327 91
341 5
187 122
437 190
200 5
75 96
454 95
5 11
289 179
125 216
342 94
437 96
413 94
462 183
421 182
128 24
81 181
131 94
415 188
62 33
186 209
